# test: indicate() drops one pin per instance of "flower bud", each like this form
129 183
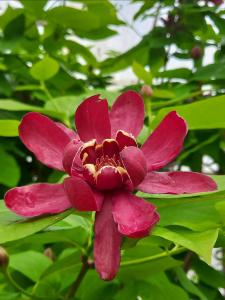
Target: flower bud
146 90
4 259
49 253
196 52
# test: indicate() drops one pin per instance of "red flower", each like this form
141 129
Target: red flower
105 165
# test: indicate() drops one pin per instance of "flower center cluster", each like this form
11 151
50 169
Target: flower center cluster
102 165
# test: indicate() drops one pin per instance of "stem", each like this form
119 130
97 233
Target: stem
20 289
44 88
139 261
147 103
48 94
74 287
197 147
86 265
156 16
176 100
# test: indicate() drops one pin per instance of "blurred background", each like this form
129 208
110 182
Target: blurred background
54 54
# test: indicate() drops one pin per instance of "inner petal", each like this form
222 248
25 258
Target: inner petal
125 139
109 178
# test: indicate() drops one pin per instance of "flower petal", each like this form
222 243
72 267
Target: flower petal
44 138
109 178
135 217
92 120
81 195
176 183
127 113
135 164
164 144
106 243
69 153
37 199
125 139
70 132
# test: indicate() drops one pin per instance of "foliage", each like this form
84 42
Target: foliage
45 67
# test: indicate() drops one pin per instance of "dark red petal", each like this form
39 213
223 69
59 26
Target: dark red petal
127 113
81 195
166 141
44 138
92 120
108 178
125 139
135 163
176 183
110 148
69 153
106 243
37 199
135 217
71 133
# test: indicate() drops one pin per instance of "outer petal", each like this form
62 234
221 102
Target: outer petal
70 132
164 144
176 183
135 164
127 113
81 195
135 217
69 153
106 243
37 199
92 120
46 139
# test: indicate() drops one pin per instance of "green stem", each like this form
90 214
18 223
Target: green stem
48 94
148 109
74 287
20 289
85 266
139 261
197 147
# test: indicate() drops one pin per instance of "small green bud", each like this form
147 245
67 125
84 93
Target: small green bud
4 259
146 91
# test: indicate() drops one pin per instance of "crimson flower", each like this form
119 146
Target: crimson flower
105 166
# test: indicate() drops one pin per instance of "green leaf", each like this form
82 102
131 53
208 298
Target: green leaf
45 69
9 127
14 228
36 264
175 73
15 28
13 105
158 287
210 72
209 275
204 114
200 242
220 207
68 104
194 211
77 19
145 249
10 171
188 285
65 264
159 93
141 73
